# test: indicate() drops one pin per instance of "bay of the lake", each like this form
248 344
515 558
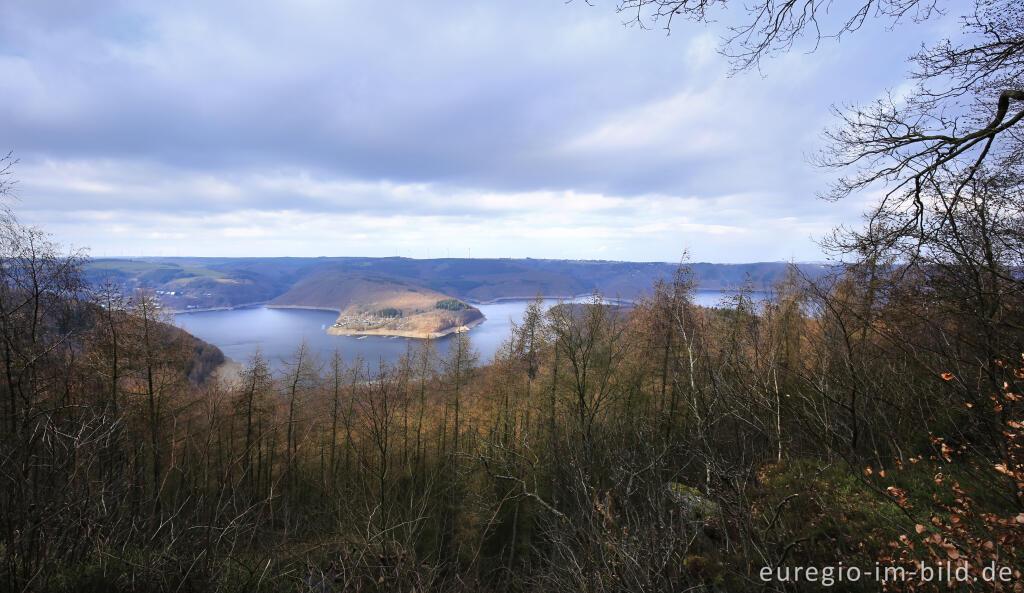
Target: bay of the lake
279 332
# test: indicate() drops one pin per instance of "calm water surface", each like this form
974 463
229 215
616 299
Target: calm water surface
278 332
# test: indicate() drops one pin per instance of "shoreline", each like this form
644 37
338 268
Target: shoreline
336 331
208 309
525 298
493 301
576 299
303 307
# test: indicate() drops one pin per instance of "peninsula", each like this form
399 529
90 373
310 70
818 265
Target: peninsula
369 304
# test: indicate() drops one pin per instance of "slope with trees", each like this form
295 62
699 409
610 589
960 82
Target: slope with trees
870 415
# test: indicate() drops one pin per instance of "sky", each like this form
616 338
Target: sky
526 128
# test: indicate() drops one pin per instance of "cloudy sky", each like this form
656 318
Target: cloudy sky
424 129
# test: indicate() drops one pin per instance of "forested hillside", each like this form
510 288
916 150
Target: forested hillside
868 416
860 428
183 284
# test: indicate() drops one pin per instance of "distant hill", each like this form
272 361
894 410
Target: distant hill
185 284
372 304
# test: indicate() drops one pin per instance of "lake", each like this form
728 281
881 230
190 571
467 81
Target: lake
278 332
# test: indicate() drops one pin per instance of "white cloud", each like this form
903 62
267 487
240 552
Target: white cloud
687 124
318 128
409 220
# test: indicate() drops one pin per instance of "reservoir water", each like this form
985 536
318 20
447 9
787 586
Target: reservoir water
279 332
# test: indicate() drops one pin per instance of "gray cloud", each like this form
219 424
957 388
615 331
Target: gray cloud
207 110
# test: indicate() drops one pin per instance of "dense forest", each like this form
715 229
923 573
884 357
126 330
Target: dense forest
870 418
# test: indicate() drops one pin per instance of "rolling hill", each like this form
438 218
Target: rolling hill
401 296
378 305
203 283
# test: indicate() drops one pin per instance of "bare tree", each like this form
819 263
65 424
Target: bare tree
923 148
251 403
